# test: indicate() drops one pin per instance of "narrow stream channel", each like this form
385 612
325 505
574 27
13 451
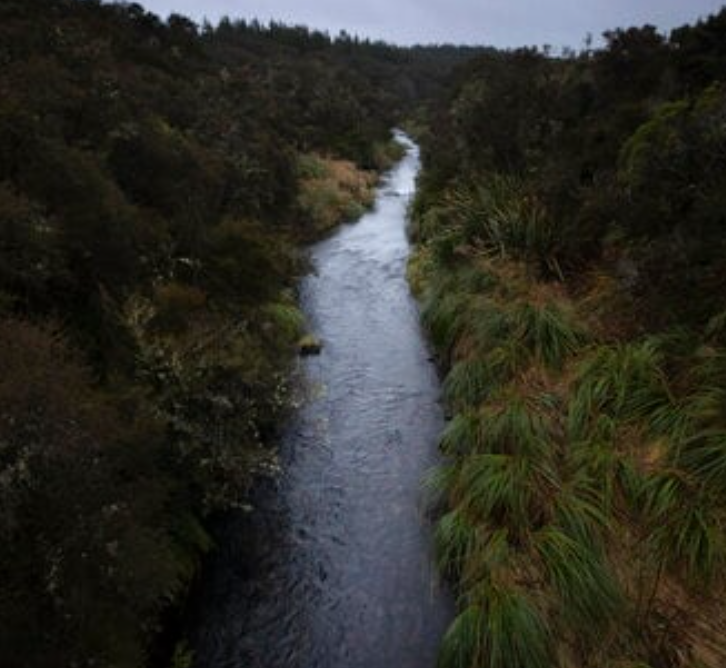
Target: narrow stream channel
335 569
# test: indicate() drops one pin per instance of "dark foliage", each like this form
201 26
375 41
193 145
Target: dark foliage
150 208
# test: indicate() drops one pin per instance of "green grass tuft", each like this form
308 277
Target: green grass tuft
462 434
497 488
501 629
468 383
548 332
589 595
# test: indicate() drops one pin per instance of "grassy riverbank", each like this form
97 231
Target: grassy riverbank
569 264
333 191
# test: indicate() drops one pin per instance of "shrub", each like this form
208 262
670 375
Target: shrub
91 527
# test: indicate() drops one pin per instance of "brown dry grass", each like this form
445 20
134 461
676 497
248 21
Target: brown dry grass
333 191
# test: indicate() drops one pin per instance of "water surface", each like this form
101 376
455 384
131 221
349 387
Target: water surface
335 570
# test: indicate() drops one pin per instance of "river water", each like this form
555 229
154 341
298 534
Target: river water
334 570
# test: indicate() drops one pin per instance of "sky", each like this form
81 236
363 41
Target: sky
502 23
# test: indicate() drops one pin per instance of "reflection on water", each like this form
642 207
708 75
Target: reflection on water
340 554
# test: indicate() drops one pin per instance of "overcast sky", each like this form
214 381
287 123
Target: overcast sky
497 22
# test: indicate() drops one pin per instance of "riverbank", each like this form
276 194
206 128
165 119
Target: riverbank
333 191
581 499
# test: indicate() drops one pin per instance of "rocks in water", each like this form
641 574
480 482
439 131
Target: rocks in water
310 345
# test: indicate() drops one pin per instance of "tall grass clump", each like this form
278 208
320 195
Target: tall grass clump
468 383
687 526
463 434
627 383
500 628
455 542
496 489
549 332
444 317
589 595
516 428
503 219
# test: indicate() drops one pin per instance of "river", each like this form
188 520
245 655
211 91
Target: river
334 569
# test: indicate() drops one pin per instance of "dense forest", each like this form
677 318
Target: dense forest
571 251
156 182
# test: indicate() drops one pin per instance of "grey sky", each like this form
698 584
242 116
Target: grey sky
497 22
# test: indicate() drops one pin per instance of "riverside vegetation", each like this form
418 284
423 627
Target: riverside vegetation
571 251
156 182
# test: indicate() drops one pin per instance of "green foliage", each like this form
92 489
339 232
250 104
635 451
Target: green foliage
516 428
244 266
688 527
490 325
468 383
625 382
582 509
443 316
177 305
455 541
497 486
463 434
588 592
571 229
503 631
461 644
505 220
288 319
548 332
672 169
